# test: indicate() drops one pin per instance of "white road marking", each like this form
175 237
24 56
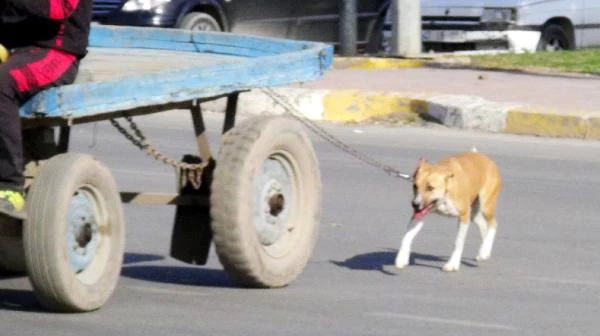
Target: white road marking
437 320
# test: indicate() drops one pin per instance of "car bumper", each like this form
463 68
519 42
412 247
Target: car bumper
514 40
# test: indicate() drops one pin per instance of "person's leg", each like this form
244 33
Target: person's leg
25 73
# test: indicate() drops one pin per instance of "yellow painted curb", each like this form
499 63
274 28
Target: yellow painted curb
375 63
356 105
593 128
573 125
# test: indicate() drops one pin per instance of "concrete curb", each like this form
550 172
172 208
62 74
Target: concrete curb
455 111
376 63
444 62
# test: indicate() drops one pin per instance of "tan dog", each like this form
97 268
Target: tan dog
464 186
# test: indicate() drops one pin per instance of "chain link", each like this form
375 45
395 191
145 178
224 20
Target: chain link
192 172
292 110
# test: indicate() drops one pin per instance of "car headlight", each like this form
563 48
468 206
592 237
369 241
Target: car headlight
136 5
498 15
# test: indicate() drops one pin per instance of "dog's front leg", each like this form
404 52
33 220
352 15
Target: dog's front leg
403 257
454 263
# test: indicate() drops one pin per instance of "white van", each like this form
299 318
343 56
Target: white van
516 25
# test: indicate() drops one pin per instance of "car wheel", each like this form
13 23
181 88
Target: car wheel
554 38
200 21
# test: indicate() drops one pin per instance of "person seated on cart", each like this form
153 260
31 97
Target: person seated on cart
46 40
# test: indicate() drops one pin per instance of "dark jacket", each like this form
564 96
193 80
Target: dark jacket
57 24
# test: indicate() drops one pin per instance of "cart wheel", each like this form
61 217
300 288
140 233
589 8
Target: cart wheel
75 232
265 202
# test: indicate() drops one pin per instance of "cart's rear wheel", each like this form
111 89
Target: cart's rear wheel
265 202
74 235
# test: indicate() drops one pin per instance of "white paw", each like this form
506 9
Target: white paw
483 257
402 262
401 265
450 267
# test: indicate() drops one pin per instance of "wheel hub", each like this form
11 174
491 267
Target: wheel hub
82 231
272 190
203 26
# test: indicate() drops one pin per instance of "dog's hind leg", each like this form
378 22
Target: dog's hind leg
488 217
485 251
478 218
482 224
403 256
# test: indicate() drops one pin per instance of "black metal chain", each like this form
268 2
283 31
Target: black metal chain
193 172
292 110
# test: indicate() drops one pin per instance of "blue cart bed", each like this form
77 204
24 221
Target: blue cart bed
144 70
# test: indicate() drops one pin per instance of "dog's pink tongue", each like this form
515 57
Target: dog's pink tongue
423 212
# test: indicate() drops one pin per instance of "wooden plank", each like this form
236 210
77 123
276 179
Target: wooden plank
102 64
156 84
157 38
257 43
108 36
232 50
176 85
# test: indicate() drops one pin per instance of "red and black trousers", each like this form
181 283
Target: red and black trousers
27 72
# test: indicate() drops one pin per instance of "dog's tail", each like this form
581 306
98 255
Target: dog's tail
474 149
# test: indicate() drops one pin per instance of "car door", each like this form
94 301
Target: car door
318 20
259 17
591 25
315 20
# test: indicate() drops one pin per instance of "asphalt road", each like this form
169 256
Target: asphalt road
542 278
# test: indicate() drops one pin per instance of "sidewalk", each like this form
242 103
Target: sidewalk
518 103
562 94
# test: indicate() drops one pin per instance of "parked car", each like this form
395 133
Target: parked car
516 25
314 20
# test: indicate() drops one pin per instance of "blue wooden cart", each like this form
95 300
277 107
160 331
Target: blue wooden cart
259 202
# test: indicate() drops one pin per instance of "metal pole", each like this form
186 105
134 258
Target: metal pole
348 30
406 28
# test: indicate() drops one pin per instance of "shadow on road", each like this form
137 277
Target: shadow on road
190 276
383 261
134 258
25 300
178 275
20 300
373 261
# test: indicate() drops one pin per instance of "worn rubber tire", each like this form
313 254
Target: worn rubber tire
200 21
57 286
554 32
244 150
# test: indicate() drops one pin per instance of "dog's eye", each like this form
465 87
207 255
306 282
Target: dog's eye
429 188
415 188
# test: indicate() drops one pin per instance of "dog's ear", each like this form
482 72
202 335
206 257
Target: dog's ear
422 163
